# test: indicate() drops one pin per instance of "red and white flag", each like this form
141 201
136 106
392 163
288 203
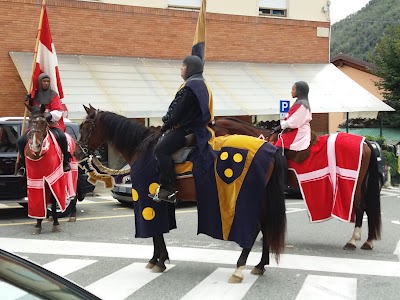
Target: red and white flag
46 59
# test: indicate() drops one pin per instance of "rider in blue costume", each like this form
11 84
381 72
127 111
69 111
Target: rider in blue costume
190 112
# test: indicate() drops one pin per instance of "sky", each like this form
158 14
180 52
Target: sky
340 9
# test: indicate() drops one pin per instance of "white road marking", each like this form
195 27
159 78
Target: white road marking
10 206
124 282
288 261
328 288
65 266
291 210
294 203
216 286
395 222
397 250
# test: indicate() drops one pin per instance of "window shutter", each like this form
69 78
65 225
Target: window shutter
278 4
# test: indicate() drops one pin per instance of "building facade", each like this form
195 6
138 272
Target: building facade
270 32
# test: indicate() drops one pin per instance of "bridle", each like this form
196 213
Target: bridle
33 129
85 146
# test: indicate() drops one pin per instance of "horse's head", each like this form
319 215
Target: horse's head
37 128
89 138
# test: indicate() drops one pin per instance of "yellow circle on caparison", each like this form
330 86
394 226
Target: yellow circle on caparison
238 157
224 155
135 195
148 213
153 187
228 172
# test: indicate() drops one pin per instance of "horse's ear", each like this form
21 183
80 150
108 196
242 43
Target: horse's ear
91 107
87 109
42 108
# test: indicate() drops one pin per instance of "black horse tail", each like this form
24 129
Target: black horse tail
373 198
275 218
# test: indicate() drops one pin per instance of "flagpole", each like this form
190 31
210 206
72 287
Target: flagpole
33 69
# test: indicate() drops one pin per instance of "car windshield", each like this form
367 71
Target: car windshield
22 278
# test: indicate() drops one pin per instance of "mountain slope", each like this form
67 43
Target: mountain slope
358 34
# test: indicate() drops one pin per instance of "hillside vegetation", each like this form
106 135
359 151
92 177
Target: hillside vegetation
358 34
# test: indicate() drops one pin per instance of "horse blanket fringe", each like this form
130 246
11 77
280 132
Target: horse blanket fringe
328 177
46 171
71 177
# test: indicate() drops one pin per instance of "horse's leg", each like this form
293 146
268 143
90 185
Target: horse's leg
260 268
56 224
359 200
162 248
351 244
237 276
38 227
72 217
156 255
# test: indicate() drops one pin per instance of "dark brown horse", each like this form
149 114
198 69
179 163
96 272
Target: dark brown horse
127 137
44 169
367 194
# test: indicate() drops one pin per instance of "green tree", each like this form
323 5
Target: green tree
386 56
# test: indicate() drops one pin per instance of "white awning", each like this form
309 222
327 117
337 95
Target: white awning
144 88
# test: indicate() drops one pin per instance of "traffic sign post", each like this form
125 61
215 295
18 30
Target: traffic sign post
284 106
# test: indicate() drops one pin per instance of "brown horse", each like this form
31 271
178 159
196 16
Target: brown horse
127 137
46 181
367 194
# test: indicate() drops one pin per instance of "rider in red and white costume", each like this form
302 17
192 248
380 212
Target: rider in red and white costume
54 116
295 128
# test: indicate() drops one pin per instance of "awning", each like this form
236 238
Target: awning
144 88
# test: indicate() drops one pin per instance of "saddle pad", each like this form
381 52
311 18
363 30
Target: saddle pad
47 170
328 177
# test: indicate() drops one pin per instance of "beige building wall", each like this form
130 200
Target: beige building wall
308 10
296 9
367 81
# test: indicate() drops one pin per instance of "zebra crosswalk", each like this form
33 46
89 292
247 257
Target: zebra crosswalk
117 271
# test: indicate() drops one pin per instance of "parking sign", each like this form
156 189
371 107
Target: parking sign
284 106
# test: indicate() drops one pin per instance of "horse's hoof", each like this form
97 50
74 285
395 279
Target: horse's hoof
56 228
150 265
235 279
72 219
367 246
36 231
257 271
349 246
158 269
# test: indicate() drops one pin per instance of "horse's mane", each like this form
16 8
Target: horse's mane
126 134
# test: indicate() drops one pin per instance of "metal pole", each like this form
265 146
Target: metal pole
347 122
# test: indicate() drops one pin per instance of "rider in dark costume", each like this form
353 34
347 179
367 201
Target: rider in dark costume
190 112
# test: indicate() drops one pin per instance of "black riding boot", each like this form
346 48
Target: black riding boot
62 142
21 147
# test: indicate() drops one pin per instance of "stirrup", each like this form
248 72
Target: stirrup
21 172
170 199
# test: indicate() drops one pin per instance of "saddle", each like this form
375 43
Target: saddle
182 154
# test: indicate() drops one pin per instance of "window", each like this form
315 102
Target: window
272 12
273 8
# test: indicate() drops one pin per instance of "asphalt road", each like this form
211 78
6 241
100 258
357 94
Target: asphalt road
99 252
